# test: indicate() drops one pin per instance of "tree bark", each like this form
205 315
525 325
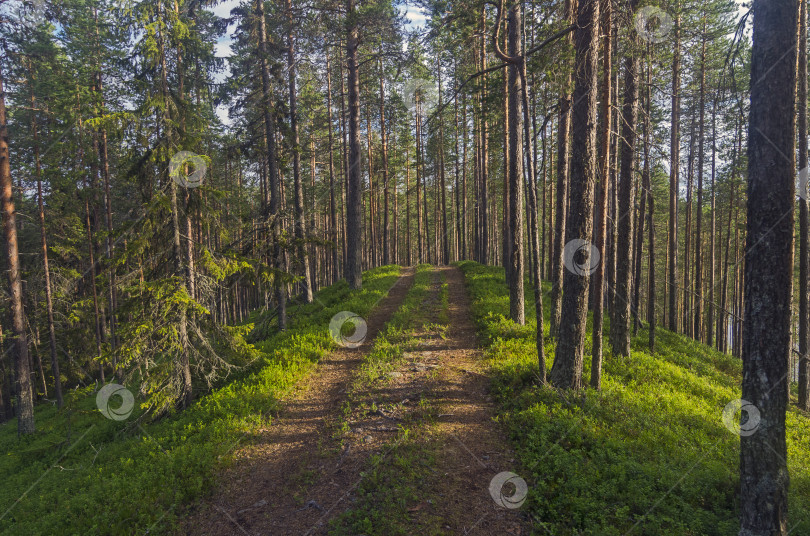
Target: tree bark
484 166
57 379
25 397
620 314
384 149
563 130
515 230
769 266
804 235
698 319
600 238
354 274
674 163
648 193
566 372
300 216
273 217
333 225
420 236
445 241
184 365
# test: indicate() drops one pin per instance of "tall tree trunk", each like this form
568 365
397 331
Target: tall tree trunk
615 158
769 267
273 217
710 309
384 149
372 206
637 250
698 329
547 212
464 236
91 254
395 253
344 191
736 311
420 236
105 173
484 165
687 287
408 248
514 230
354 275
566 372
459 248
298 187
722 322
333 225
804 234
530 149
620 314
600 238
648 193
57 378
506 235
445 241
25 396
674 163
563 129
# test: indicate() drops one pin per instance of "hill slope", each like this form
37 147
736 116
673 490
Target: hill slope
647 455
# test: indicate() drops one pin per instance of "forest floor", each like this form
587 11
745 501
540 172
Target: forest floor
394 437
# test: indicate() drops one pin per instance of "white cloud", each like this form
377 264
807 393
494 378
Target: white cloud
222 49
222 113
416 16
223 9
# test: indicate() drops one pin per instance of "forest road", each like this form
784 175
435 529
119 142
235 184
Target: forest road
257 494
296 478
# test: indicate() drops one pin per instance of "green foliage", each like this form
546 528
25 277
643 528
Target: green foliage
85 474
648 454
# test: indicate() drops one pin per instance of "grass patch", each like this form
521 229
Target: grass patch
86 474
647 455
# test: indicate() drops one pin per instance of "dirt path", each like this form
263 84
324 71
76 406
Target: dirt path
440 394
473 446
308 468
258 494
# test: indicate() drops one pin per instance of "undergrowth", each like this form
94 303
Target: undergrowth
81 473
646 455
